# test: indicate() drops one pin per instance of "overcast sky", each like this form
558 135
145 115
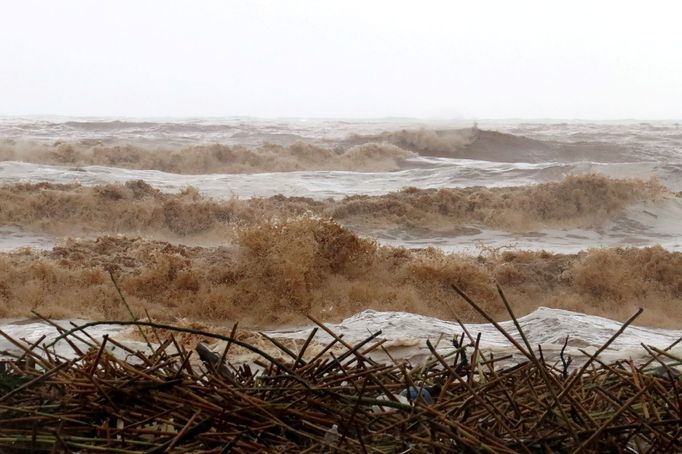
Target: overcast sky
475 59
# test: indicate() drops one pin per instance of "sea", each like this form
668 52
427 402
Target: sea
333 159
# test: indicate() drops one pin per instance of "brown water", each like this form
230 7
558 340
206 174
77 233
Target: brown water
276 273
265 221
136 207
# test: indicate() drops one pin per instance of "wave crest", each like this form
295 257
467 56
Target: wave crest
212 158
279 271
136 207
481 144
576 201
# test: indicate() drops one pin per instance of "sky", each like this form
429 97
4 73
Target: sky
360 59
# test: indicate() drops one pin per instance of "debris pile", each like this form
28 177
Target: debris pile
171 398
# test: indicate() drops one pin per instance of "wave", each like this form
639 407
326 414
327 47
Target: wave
111 125
135 207
276 272
488 145
406 332
210 158
138 208
576 201
104 127
283 151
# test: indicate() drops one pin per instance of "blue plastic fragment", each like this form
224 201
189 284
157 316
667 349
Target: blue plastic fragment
412 393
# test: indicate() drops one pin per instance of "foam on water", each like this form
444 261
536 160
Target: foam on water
644 224
543 326
33 331
12 238
626 149
315 184
405 334
338 184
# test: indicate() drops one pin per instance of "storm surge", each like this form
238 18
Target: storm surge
138 208
377 152
277 272
265 221
211 158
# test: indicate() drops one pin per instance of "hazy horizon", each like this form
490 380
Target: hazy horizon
298 59
171 118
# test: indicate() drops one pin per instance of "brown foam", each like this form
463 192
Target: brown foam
385 151
213 158
576 201
137 208
279 271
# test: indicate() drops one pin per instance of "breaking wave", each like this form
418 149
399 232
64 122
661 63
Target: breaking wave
276 272
136 207
576 201
385 151
480 144
213 158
